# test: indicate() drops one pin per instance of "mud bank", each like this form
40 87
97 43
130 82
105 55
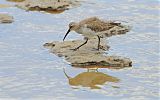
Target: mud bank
5 18
87 56
47 5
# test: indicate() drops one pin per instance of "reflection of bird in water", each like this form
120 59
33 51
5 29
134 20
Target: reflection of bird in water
90 79
90 28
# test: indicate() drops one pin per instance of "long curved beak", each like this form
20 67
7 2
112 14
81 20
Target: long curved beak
66 34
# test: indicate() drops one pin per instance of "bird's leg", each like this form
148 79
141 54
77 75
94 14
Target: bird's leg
99 41
81 45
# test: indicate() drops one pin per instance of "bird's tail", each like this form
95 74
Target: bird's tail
116 30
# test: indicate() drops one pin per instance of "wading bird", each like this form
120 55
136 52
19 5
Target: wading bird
89 28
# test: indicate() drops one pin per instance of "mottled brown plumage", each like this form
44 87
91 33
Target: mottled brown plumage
91 27
97 25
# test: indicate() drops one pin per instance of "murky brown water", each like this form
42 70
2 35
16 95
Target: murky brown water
29 71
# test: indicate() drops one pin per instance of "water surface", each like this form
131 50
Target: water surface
29 71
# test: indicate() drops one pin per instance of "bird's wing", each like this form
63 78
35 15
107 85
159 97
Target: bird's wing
88 20
97 25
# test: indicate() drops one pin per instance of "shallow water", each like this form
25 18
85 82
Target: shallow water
29 71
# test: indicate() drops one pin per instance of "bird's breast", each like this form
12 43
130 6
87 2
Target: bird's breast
86 32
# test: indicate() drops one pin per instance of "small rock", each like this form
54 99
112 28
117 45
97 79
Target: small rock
5 18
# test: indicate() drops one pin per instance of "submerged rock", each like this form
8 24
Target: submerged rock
5 18
47 5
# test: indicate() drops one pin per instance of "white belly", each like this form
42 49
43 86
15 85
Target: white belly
86 32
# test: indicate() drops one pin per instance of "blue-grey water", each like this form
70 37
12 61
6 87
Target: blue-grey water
29 72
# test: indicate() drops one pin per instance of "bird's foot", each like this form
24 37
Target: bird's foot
102 47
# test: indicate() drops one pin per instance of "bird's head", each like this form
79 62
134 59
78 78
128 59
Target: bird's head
72 27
